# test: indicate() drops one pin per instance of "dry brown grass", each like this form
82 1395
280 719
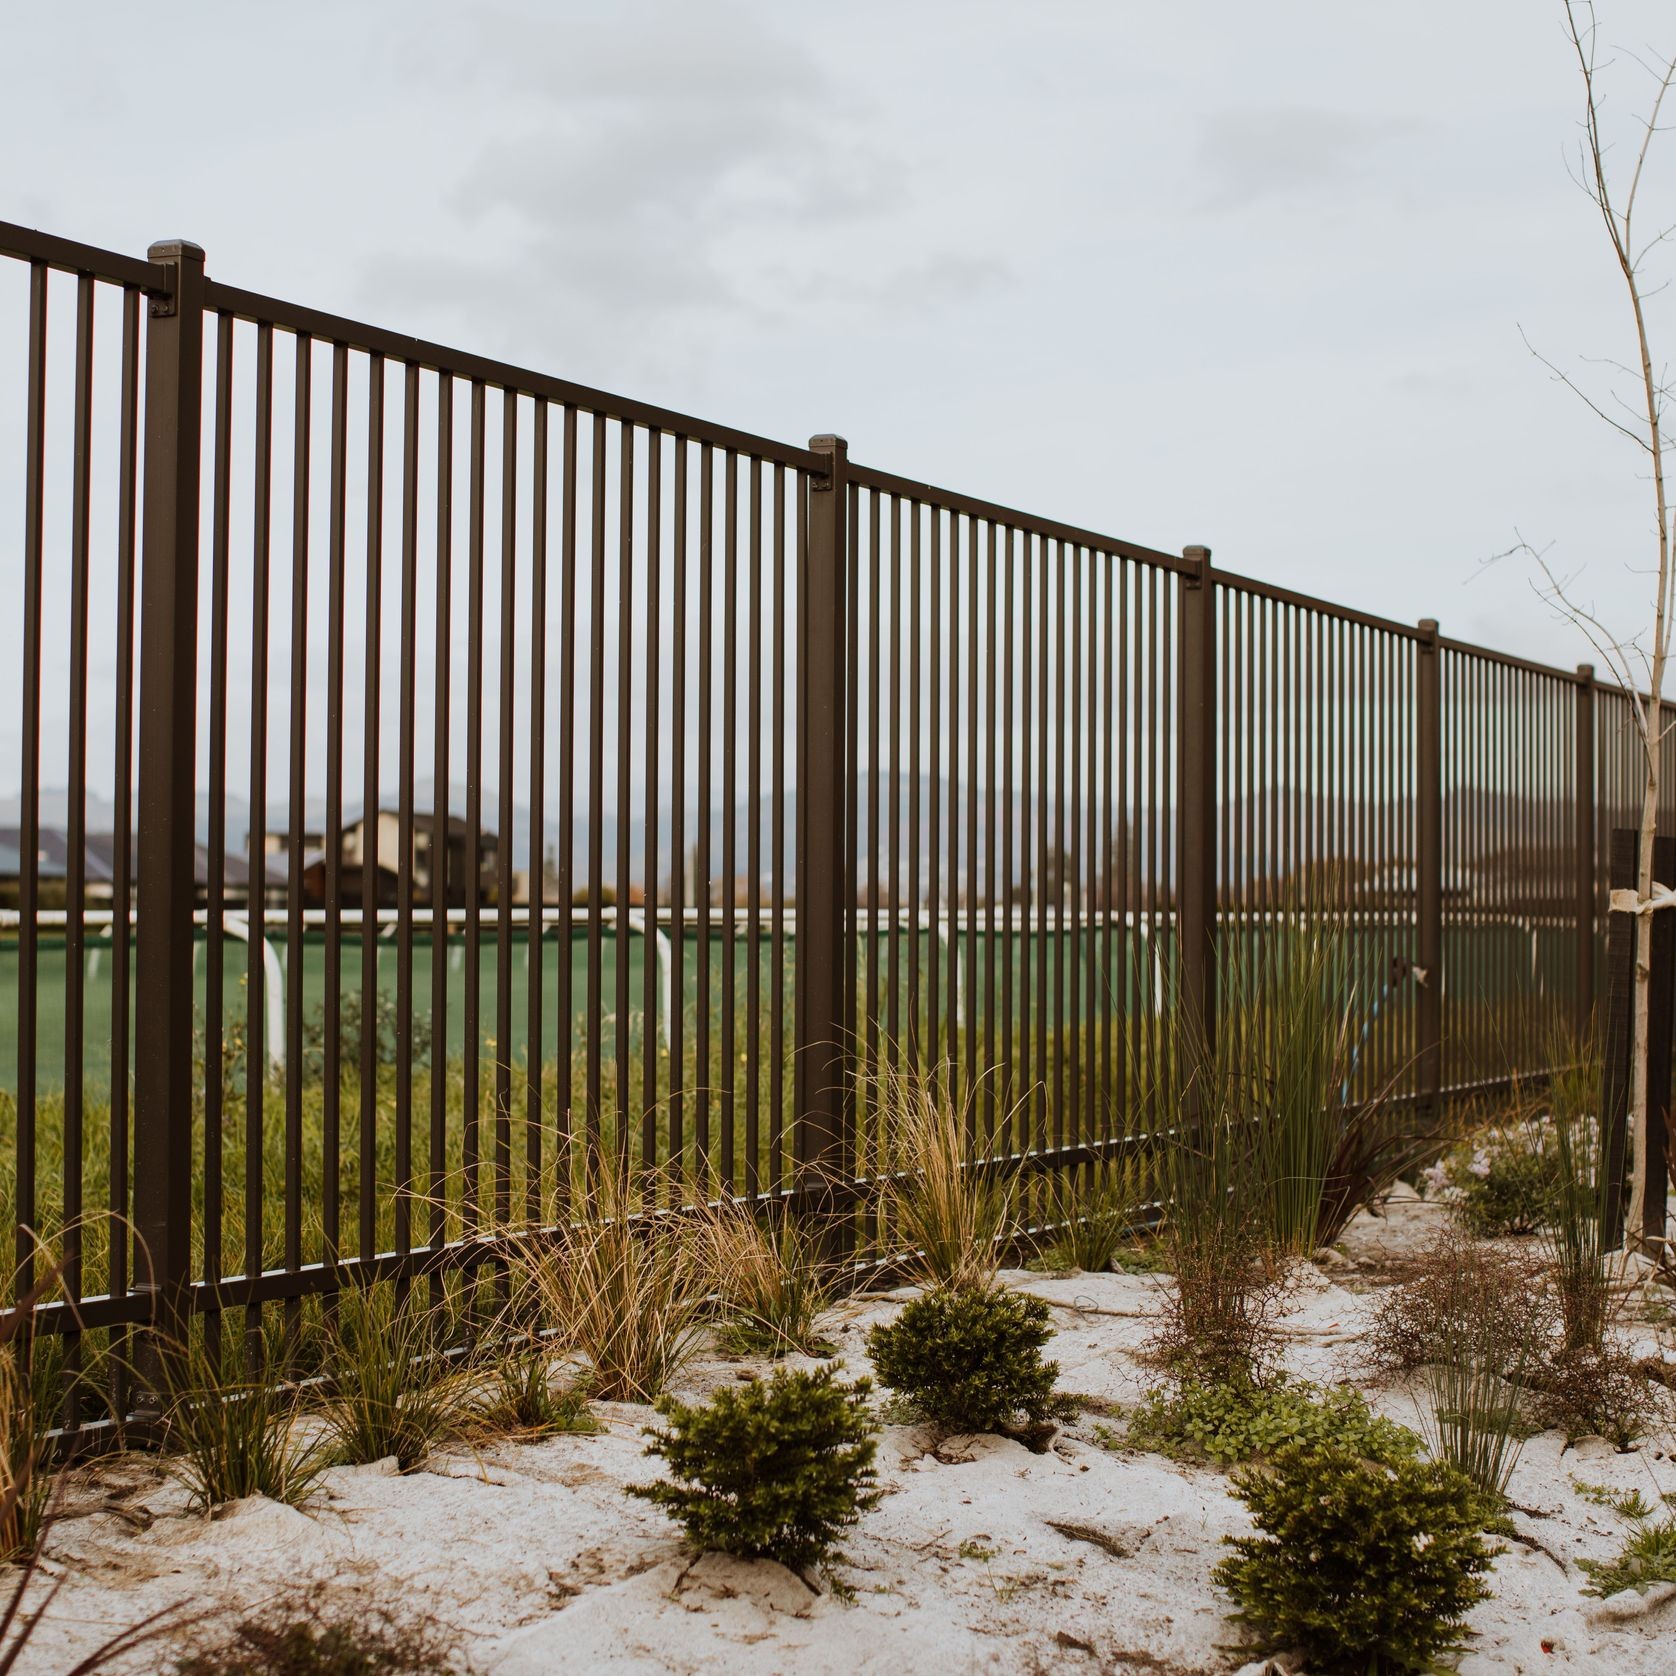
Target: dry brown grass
626 1289
949 1214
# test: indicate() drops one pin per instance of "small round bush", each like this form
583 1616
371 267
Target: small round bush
1504 1183
1241 1422
1361 1565
970 1359
773 1469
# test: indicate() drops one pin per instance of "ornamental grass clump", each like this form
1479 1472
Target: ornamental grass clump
626 1288
970 1360
1590 1385
237 1425
771 1281
948 1214
1286 1063
776 1468
392 1390
1093 1210
32 1373
1360 1563
1484 1348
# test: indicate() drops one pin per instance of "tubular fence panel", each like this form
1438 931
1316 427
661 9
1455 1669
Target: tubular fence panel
1512 925
1011 727
1317 805
435 783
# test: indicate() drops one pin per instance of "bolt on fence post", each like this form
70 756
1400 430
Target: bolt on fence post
168 630
1428 939
824 1100
1196 823
1584 815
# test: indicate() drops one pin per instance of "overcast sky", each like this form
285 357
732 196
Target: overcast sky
1202 272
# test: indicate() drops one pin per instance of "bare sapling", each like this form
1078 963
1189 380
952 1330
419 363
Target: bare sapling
1634 409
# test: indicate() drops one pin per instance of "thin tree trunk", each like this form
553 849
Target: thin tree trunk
1641 1015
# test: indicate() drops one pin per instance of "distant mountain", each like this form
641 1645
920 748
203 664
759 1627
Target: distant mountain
1271 827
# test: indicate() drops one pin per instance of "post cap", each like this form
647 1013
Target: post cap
828 443
175 250
1428 626
1585 672
1199 555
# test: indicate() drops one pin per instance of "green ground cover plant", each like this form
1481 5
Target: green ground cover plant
1231 1424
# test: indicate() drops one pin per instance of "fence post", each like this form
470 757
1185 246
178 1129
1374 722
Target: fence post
1196 823
824 1103
1588 889
1428 762
1615 1036
1661 1028
168 631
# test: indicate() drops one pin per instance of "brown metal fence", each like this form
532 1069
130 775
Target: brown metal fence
525 778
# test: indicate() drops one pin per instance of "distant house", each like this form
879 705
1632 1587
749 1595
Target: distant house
52 870
375 842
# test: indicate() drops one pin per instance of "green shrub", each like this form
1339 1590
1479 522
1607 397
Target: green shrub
1362 1564
1228 1424
1504 1181
970 1360
772 1469
1647 1557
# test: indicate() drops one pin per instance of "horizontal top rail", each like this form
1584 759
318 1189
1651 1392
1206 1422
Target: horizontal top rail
29 245
907 488
1509 661
398 346
1308 602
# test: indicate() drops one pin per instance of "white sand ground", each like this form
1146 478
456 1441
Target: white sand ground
1098 1558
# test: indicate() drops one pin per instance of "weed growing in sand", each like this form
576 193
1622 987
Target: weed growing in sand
772 1283
308 1635
776 1468
238 1425
970 1360
392 1390
1228 1424
1648 1555
1360 1564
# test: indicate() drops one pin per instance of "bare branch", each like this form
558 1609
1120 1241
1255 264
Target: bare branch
1582 395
